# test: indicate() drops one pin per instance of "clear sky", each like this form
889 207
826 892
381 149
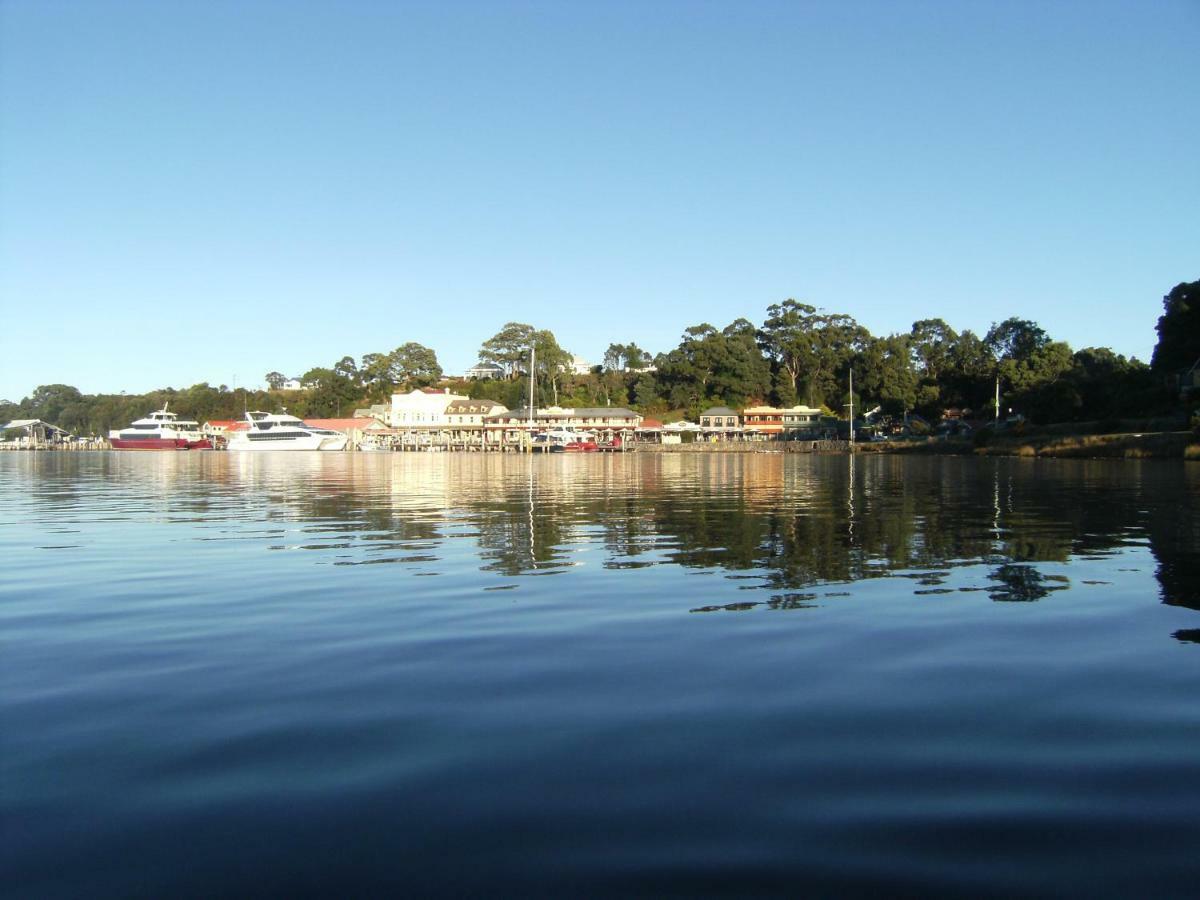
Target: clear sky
208 191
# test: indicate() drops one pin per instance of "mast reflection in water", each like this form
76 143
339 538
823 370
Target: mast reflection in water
651 674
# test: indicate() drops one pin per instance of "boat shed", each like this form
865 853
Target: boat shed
37 432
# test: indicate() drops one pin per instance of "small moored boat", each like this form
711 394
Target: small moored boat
585 444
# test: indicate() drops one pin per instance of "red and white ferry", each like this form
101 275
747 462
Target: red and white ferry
161 430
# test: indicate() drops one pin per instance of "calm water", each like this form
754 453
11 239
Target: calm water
228 674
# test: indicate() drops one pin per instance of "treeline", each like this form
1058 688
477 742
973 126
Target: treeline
797 354
801 354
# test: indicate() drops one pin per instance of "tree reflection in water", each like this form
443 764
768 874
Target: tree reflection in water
787 523
1024 583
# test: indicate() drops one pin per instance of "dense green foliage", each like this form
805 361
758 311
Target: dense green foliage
1178 346
799 354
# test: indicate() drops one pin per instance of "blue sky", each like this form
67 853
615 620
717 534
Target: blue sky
210 191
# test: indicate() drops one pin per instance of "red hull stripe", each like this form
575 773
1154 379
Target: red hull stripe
159 444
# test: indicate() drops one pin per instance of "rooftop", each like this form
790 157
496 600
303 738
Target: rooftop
475 406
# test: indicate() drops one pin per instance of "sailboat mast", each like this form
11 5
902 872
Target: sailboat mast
851 406
532 358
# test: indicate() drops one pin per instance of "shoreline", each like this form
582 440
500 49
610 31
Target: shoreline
1168 445
1180 445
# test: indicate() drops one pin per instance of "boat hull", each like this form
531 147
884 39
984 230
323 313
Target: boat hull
151 443
246 444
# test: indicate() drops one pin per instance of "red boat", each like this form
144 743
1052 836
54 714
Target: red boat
161 430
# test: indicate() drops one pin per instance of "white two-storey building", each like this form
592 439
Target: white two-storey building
423 409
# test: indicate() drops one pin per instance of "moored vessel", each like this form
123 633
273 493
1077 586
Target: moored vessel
585 444
161 430
280 431
565 440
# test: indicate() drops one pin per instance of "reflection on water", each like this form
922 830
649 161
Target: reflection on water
447 673
793 522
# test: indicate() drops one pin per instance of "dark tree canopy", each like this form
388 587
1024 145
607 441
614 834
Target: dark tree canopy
1178 345
1015 339
619 357
813 347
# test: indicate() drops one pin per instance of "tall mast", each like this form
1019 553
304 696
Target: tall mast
851 406
532 377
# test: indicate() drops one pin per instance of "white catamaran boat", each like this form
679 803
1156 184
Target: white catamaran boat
279 431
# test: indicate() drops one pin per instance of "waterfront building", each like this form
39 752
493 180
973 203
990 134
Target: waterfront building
719 418
219 428
720 423
423 409
466 419
378 411
603 421
763 421
652 431
35 433
468 413
801 421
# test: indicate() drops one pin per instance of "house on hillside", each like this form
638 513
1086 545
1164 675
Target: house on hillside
485 371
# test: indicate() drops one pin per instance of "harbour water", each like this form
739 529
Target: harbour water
434 674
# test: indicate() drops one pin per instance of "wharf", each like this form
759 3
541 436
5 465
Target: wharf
748 447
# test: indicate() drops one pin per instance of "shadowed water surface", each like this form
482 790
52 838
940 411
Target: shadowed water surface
670 675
